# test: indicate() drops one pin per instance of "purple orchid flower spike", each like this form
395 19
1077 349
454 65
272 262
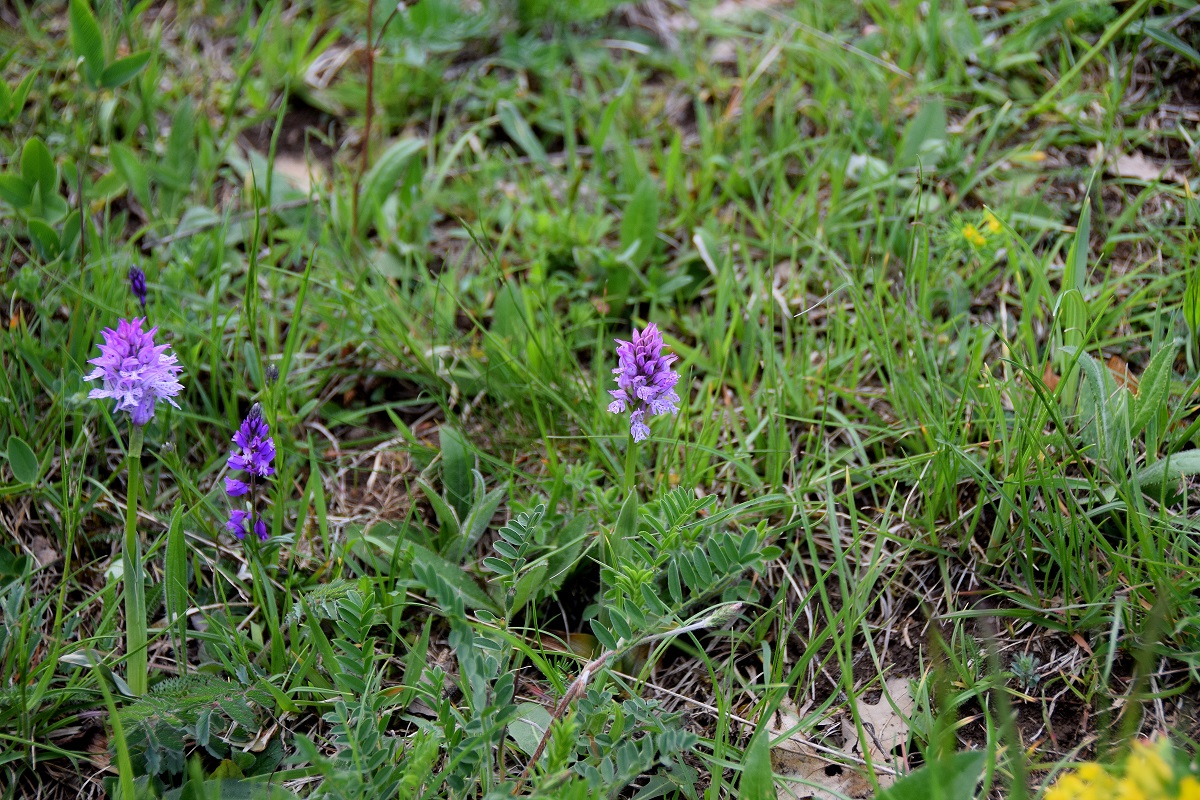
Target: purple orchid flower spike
134 371
645 380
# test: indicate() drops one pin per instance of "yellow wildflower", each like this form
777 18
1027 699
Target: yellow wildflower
1089 782
1148 769
991 223
973 236
1147 774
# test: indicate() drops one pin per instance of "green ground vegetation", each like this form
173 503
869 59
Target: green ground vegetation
930 269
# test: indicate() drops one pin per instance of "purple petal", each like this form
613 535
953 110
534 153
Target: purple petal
237 523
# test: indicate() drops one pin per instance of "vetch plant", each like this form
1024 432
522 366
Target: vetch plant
136 373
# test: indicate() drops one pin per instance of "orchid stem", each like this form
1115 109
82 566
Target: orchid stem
135 591
630 464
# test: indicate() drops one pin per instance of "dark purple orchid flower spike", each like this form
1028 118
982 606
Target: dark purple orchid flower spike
137 284
254 461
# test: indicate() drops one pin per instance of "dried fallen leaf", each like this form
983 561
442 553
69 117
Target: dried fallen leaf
262 739
1119 369
812 777
1134 165
1050 378
298 172
43 551
886 724
731 9
1138 167
97 751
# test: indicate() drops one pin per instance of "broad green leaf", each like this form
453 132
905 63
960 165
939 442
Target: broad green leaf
414 665
955 778
37 167
532 722
509 320
456 469
180 159
758 782
1075 273
19 96
559 563
447 517
318 638
1152 477
22 460
1191 302
123 70
603 635
45 238
626 528
620 626
133 171
1153 389
639 224
1095 409
381 179
175 577
478 519
15 191
1071 318
518 129
52 208
527 587
72 230
924 140
86 38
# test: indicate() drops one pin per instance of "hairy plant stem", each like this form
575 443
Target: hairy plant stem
135 591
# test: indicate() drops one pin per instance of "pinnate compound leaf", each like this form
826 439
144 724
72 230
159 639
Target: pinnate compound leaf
430 564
